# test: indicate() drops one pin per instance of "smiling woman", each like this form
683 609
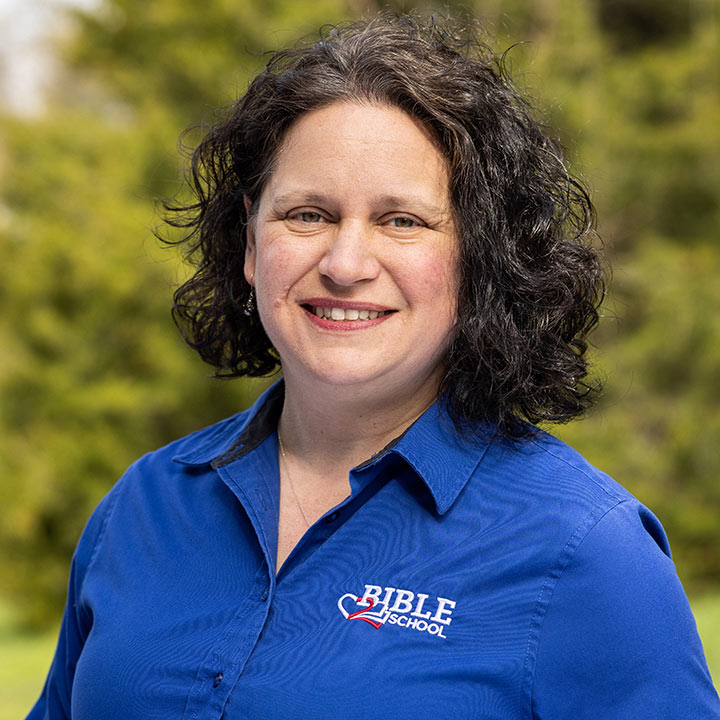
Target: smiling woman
385 533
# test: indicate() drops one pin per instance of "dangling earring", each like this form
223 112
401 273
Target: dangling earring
250 303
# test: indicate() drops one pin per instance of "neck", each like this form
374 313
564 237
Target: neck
338 427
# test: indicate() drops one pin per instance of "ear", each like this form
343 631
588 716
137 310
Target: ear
250 246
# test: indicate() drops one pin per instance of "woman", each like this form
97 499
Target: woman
384 534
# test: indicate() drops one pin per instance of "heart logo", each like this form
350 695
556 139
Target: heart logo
364 613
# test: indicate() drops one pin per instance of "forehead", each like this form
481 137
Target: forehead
350 144
363 119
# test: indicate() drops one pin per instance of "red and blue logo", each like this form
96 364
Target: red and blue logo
379 606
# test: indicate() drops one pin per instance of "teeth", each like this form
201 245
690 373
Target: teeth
341 315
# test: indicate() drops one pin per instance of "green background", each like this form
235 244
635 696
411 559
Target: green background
93 373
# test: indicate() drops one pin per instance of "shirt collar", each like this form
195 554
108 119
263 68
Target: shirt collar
441 455
237 435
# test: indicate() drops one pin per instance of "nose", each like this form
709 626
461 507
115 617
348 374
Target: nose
350 256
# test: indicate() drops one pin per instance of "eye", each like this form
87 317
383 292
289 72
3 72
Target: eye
308 216
404 222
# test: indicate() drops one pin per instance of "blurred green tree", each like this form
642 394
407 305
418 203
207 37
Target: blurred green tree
93 374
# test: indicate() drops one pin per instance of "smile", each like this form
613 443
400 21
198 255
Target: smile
337 314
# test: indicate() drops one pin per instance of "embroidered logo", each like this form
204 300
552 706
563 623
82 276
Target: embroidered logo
403 608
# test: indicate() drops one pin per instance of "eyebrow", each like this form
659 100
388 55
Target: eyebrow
384 201
412 200
300 198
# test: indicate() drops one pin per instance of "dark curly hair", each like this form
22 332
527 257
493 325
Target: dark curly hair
530 281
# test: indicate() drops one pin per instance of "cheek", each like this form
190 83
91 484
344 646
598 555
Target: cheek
433 279
279 266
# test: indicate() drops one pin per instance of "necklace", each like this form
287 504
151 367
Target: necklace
289 479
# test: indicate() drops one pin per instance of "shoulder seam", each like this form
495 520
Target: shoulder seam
548 587
112 499
608 491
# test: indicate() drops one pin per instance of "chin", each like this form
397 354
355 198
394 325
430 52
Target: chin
347 378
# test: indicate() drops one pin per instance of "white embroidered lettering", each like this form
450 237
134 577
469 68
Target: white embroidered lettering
435 629
403 601
442 609
417 612
388 594
372 591
404 608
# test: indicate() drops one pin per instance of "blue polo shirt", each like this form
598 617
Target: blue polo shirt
459 579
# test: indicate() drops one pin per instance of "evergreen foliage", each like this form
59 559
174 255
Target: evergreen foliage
93 374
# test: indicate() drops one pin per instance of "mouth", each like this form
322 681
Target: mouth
339 314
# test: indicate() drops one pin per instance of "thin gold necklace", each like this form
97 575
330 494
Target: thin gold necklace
289 479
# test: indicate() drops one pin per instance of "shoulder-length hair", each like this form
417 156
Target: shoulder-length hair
530 280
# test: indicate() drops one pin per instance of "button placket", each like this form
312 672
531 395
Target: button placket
231 652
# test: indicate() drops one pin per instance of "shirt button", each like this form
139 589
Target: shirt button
217 680
332 517
266 594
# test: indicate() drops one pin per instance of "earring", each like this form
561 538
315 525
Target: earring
249 308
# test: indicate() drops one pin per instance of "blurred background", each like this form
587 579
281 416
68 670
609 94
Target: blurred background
93 96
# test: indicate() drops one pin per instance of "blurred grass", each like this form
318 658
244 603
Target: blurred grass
24 662
27 657
707 615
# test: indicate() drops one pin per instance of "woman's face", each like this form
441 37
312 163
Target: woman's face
353 252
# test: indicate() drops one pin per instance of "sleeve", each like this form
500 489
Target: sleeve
618 639
54 701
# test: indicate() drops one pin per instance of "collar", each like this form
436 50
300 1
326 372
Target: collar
232 438
441 455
